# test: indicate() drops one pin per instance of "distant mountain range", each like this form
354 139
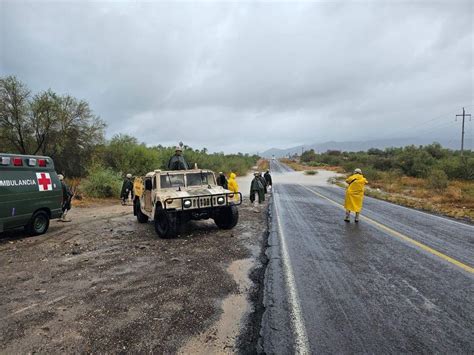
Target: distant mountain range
356 146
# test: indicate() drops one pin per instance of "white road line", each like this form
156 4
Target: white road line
299 328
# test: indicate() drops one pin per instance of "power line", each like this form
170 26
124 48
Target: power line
415 126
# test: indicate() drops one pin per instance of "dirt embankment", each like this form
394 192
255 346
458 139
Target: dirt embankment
104 283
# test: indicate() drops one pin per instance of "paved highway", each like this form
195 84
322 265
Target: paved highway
399 281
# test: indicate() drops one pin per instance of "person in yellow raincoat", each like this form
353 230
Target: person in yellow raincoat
232 185
354 194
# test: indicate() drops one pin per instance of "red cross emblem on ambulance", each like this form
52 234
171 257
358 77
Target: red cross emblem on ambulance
44 182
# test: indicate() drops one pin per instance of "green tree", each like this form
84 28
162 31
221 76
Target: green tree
44 114
62 127
15 127
125 155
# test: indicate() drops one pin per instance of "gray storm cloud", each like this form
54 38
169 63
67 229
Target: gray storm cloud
251 75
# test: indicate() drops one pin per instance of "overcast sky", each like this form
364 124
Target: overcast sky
248 76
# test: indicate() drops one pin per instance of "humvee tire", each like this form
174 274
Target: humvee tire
166 225
141 217
227 217
38 224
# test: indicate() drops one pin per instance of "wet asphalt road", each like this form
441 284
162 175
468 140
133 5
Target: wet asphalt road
399 281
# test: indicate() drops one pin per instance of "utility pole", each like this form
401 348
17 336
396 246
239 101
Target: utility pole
462 135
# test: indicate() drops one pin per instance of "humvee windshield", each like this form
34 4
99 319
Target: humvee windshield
171 180
198 179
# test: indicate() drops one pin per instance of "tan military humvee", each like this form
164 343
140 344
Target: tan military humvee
172 198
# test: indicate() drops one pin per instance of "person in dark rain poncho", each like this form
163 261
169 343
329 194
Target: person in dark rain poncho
268 178
66 201
264 182
177 161
127 189
222 181
256 187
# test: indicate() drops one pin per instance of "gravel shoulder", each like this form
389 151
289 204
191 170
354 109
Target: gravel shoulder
104 283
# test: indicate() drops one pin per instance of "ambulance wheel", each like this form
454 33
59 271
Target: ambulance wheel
39 223
166 225
227 217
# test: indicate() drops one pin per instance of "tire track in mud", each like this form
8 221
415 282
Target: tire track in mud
60 232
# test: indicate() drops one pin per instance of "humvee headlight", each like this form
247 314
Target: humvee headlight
187 203
169 201
220 200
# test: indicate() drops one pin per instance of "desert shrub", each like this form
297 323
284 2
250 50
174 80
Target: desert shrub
436 150
316 163
370 173
467 168
102 182
451 166
387 181
308 155
381 163
437 179
310 172
349 166
332 160
457 167
375 151
414 162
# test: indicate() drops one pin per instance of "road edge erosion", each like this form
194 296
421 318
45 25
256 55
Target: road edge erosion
276 334
249 340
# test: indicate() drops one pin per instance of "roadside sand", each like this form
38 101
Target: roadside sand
105 283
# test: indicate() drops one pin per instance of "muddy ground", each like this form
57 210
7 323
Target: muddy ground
104 283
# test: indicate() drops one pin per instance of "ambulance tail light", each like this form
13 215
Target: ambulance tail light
31 162
17 162
42 163
5 161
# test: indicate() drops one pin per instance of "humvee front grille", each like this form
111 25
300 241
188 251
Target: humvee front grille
208 201
204 202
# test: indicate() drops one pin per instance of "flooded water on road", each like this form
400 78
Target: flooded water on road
299 177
